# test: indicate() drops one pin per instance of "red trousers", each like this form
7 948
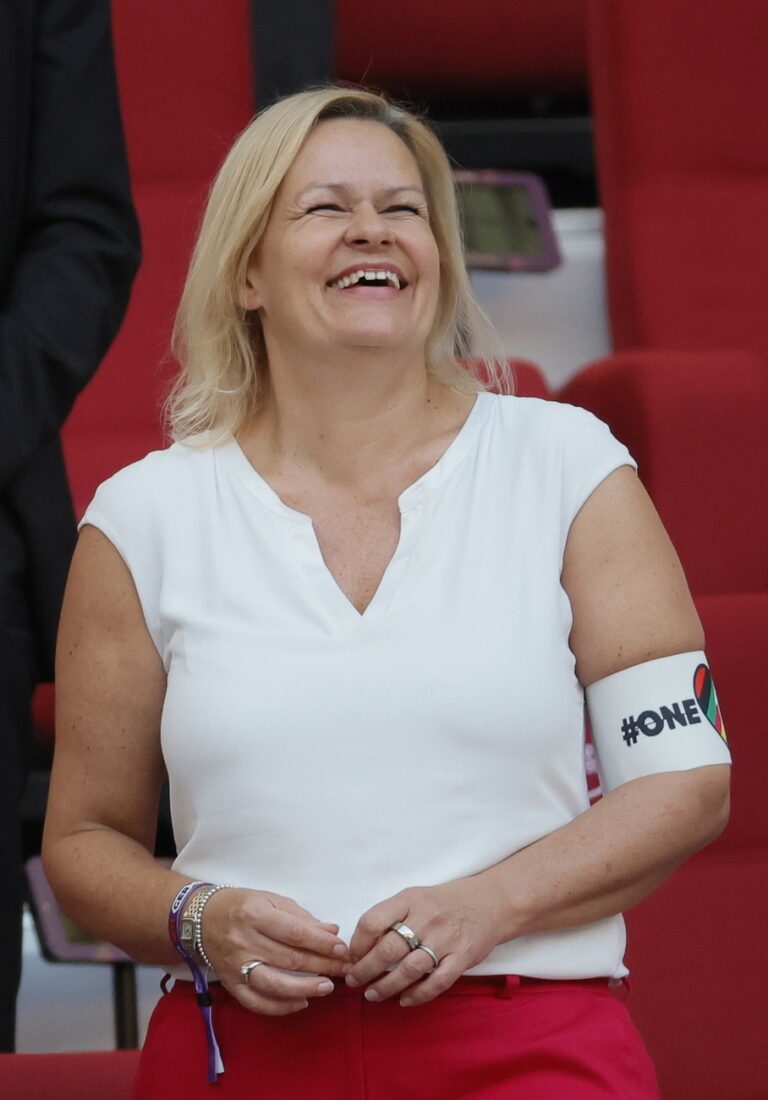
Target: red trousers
486 1039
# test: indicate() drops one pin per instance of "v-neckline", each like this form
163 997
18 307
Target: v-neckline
302 527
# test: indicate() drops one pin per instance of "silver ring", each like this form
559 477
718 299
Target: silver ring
406 933
246 969
430 952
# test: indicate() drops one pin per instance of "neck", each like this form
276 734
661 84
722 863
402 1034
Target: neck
348 420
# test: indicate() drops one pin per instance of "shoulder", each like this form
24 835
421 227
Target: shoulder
158 477
156 497
546 423
566 451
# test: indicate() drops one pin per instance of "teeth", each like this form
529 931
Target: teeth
374 276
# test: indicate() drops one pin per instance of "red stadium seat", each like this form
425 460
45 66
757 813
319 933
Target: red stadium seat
697 424
95 1075
494 47
697 946
681 114
185 94
527 378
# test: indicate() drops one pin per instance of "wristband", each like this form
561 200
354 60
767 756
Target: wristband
200 902
202 992
658 716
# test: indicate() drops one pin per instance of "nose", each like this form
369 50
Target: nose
368 228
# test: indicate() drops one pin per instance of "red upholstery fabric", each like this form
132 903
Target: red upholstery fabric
491 47
95 1075
698 978
696 424
697 946
186 91
736 631
680 120
117 419
528 380
184 72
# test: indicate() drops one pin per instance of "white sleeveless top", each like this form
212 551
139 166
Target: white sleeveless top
338 758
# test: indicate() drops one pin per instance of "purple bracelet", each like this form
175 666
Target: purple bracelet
202 992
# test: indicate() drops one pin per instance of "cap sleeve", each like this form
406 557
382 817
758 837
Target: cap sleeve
124 509
590 453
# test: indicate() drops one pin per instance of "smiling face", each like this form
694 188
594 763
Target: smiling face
348 259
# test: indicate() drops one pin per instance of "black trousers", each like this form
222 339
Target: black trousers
17 680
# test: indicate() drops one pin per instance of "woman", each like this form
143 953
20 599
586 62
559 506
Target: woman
352 614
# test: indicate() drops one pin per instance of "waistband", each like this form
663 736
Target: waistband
507 985
498 985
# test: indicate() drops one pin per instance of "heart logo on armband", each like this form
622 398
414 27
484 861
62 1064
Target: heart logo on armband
706 697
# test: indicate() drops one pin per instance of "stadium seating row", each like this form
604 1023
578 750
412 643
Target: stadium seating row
680 120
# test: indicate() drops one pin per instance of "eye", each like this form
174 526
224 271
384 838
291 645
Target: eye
402 208
332 206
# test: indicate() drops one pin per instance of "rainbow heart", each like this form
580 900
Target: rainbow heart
706 697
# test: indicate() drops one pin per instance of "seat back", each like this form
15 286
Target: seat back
680 114
91 1075
527 379
494 47
696 946
185 92
696 423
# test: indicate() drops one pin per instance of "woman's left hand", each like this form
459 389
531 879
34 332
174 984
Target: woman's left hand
458 921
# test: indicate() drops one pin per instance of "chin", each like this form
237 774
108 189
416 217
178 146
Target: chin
379 338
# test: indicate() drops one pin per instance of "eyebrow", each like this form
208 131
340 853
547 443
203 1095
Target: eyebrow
341 187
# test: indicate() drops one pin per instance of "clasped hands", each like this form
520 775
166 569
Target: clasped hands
457 920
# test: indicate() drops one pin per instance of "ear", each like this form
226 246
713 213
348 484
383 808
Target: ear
249 295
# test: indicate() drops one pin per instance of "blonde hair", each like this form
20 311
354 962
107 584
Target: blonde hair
220 345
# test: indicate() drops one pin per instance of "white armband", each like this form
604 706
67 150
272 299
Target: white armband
659 716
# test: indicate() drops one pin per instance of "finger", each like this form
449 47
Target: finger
383 956
295 958
436 982
297 930
263 1006
273 992
408 973
374 924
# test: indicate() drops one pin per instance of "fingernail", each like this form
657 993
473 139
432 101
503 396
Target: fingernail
353 983
372 995
405 1002
325 987
341 950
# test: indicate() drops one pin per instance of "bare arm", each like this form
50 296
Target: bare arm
619 569
105 786
108 770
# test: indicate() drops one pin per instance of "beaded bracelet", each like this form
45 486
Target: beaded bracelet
200 902
202 992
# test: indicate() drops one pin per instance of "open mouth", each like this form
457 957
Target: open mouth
363 277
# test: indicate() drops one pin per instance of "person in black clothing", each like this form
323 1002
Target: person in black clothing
69 248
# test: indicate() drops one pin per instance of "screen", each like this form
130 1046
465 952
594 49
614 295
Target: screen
499 218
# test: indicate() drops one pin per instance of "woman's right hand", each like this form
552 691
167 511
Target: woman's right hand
301 953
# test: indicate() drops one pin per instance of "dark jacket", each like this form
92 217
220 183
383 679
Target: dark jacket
69 248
